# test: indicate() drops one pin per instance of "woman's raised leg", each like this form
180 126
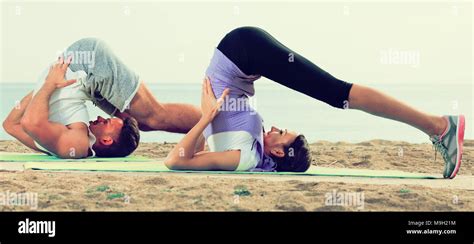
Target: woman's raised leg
377 103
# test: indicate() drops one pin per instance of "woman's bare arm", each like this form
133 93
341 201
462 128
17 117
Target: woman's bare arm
201 144
183 155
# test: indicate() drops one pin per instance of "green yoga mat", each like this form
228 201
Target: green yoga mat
142 164
160 167
35 157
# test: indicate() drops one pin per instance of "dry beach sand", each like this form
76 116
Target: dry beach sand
105 191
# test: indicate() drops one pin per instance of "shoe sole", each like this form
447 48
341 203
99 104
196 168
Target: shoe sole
459 140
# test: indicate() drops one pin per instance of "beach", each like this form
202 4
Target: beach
120 191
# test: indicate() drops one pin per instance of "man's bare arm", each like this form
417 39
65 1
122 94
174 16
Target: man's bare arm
12 124
66 142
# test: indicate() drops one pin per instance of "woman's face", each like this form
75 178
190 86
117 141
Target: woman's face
276 140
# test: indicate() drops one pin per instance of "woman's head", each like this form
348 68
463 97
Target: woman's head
289 150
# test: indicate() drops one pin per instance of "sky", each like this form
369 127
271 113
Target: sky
172 42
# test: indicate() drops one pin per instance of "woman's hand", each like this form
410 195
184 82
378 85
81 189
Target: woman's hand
209 104
55 78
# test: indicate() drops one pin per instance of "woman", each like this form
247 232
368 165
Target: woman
235 136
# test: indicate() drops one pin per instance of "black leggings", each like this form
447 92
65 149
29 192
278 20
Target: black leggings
256 52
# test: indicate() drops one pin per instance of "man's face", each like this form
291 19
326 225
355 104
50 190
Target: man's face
106 130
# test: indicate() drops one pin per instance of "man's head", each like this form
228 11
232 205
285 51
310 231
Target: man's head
115 137
289 150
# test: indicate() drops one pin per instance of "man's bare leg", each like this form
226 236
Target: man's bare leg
153 115
375 102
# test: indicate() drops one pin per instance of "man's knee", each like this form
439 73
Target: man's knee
87 41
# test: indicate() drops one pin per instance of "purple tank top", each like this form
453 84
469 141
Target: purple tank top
236 113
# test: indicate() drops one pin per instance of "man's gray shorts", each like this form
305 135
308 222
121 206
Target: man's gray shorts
110 84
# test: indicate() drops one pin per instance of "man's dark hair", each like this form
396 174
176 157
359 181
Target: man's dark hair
127 142
297 156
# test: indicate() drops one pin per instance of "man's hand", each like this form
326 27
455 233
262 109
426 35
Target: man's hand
209 104
55 78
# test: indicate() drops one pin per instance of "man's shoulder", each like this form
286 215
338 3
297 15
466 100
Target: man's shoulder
75 141
77 134
78 126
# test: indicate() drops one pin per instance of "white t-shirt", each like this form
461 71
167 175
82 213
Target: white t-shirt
236 140
67 104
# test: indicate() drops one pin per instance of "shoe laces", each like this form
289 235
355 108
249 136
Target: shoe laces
439 147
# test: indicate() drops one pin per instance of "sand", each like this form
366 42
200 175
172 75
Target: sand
105 191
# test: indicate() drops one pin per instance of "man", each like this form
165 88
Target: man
54 118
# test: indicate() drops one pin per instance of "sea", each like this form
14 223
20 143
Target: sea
284 108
